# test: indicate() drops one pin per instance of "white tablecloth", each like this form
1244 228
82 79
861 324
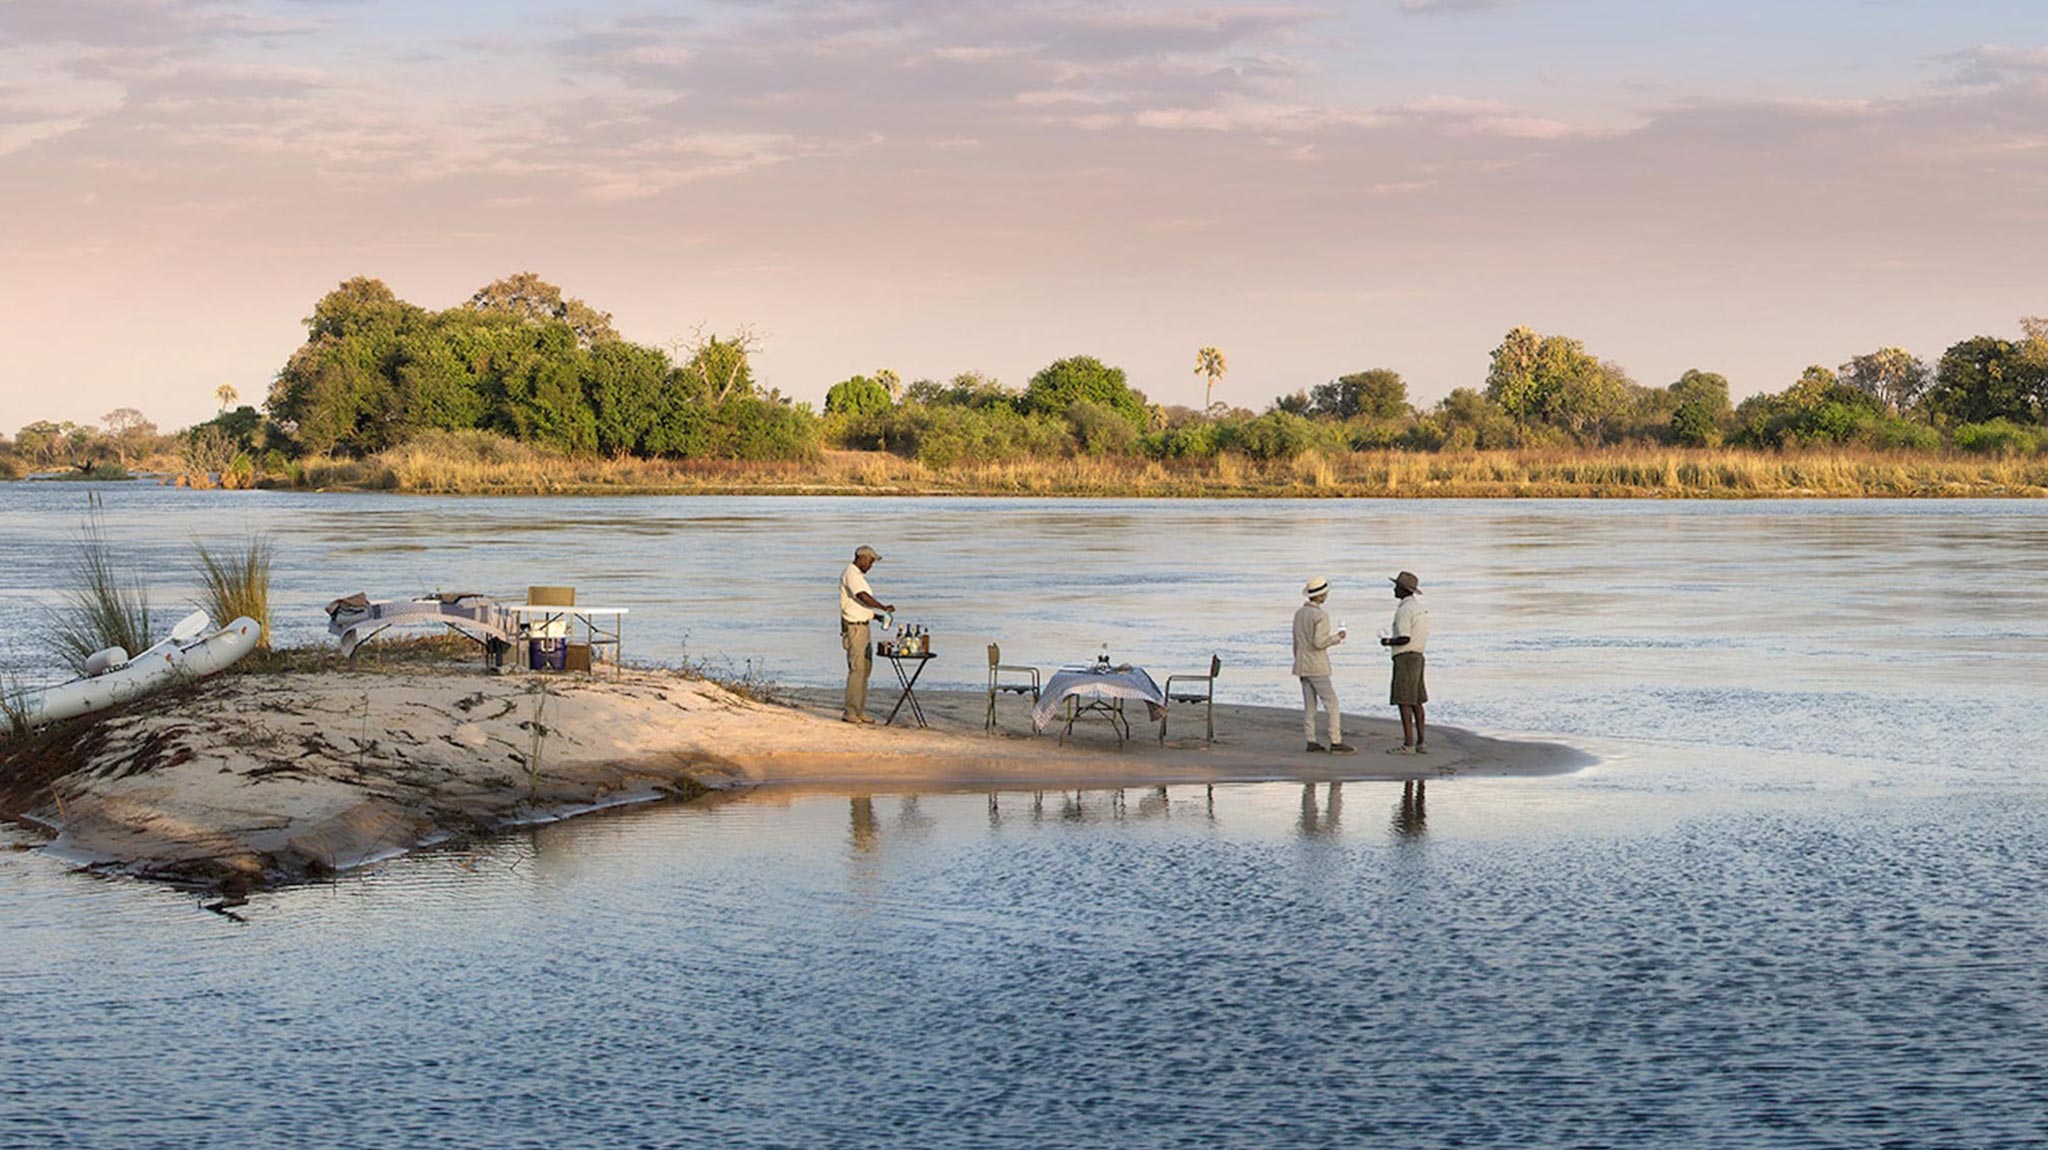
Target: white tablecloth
1126 682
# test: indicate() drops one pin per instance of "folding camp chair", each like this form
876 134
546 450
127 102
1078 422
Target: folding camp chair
1205 694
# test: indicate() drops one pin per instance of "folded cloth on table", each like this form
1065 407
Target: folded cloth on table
352 604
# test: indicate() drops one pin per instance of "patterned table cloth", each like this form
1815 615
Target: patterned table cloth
1125 682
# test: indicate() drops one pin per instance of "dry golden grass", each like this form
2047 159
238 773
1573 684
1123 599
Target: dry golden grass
1619 472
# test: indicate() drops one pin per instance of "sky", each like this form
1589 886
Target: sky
937 186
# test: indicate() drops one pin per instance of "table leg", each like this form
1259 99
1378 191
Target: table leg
897 664
910 693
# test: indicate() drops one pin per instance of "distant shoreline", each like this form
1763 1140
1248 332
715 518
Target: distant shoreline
1617 473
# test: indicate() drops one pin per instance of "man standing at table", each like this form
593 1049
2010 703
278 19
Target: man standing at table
1409 639
1312 642
857 607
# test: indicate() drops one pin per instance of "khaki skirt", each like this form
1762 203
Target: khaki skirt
1408 686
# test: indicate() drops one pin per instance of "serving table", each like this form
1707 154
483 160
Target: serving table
909 680
601 626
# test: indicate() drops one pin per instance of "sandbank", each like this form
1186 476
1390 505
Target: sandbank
256 779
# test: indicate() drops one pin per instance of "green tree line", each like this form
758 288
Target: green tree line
521 359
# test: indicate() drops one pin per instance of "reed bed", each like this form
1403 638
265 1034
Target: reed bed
1606 473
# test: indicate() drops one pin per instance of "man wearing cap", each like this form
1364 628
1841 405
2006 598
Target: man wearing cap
1312 642
857 607
1410 636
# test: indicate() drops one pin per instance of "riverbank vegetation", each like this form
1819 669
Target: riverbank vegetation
106 603
522 389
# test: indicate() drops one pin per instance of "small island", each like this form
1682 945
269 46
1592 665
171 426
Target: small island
307 768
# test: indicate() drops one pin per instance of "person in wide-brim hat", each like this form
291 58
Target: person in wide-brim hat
1409 637
1312 642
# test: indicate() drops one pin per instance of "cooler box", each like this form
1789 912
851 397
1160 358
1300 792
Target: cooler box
548 654
578 657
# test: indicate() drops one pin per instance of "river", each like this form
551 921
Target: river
1797 903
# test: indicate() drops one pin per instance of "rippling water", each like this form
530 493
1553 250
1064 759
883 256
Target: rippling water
1799 903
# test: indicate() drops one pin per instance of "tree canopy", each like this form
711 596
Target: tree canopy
521 359
1084 379
1376 394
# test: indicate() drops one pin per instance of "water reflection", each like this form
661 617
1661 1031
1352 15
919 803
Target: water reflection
1410 817
864 834
1113 805
1321 821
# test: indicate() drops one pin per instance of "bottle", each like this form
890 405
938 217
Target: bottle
1102 660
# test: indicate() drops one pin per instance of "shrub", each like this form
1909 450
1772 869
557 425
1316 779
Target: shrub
1375 435
1428 435
1084 379
1102 430
1274 435
1188 441
755 427
1893 433
857 396
943 434
2001 437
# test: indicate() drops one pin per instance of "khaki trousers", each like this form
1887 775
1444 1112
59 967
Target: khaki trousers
860 659
1312 687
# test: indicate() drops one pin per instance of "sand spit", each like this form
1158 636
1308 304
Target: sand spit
257 779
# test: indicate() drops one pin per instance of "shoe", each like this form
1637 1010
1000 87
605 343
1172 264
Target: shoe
849 718
1403 749
1343 749
1420 749
866 720
1315 748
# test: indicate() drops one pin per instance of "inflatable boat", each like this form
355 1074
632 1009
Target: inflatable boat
193 650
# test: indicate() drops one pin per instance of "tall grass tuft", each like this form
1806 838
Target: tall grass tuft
105 607
237 583
13 709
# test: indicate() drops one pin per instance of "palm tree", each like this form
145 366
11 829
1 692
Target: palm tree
1209 362
227 395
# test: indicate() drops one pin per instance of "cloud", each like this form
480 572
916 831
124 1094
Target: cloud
131 24
1995 64
1426 6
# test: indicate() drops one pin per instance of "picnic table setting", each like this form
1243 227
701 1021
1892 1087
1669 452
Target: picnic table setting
1101 688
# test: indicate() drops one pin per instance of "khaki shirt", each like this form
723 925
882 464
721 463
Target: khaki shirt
851 584
1312 641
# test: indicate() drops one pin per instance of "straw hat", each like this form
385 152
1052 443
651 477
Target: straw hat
1316 586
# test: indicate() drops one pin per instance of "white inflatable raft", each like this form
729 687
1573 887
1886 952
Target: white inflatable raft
193 650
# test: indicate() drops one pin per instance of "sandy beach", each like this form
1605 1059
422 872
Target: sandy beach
258 779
